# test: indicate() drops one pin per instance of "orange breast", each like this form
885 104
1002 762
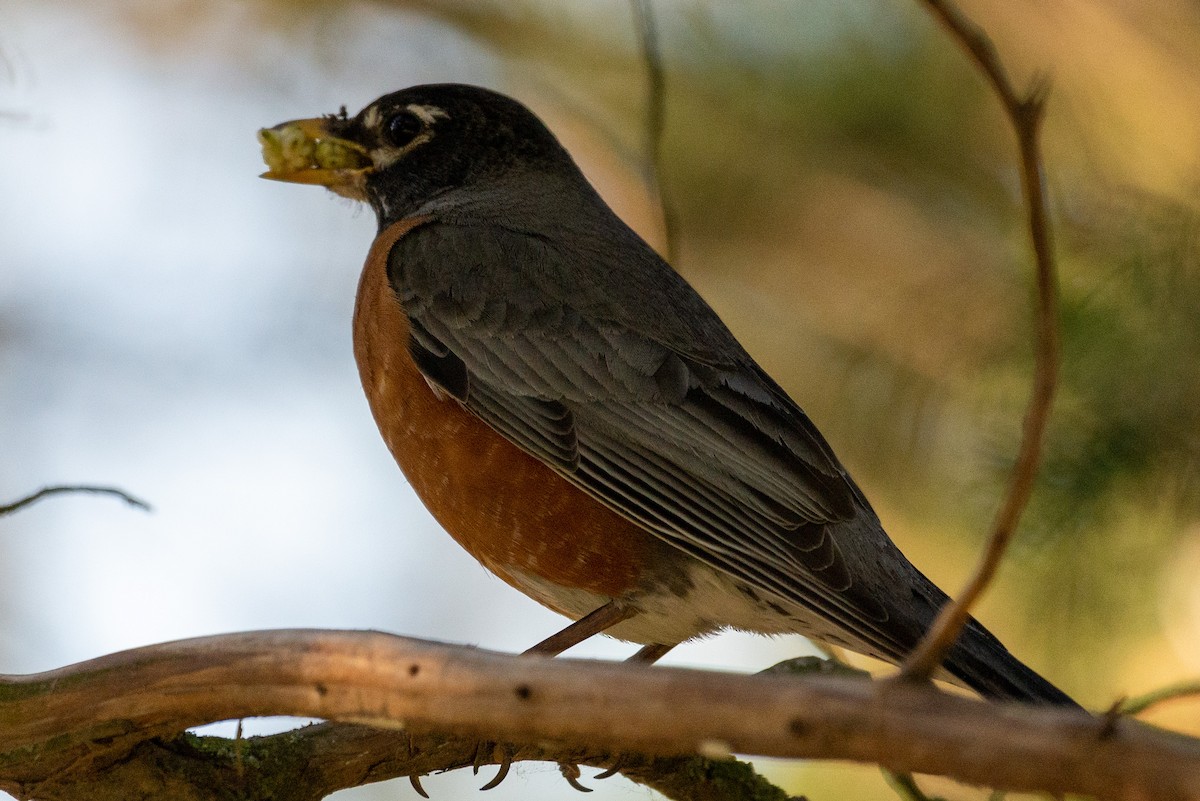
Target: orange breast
509 510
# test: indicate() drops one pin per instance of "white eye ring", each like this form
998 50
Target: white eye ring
427 114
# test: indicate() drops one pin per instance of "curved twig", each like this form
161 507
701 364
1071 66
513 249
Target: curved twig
1026 114
1139 704
59 489
656 117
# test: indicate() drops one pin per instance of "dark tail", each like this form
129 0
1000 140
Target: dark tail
983 663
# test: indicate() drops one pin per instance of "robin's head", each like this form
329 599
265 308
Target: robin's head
412 146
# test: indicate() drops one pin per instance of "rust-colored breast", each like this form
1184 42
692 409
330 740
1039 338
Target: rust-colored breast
509 510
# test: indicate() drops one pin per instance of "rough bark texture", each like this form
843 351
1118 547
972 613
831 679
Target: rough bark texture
100 729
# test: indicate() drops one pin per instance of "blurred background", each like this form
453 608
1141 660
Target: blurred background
844 194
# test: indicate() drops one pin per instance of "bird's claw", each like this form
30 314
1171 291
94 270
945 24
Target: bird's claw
484 752
506 760
612 769
570 772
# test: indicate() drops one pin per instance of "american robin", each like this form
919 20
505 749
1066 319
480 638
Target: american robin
579 419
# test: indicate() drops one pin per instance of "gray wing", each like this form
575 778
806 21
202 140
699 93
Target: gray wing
624 381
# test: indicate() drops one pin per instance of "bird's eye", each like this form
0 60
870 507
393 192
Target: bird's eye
402 128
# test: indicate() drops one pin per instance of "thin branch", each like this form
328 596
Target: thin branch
906 787
1026 114
78 720
656 116
1139 704
55 490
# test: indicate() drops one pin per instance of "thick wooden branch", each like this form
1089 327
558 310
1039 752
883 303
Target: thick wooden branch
92 717
311 763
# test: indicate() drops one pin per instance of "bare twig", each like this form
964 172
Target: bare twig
1139 704
70 724
656 116
906 787
1025 114
45 491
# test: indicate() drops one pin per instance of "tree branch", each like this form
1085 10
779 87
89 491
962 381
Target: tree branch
1025 114
311 763
656 117
68 726
55 490
1139 704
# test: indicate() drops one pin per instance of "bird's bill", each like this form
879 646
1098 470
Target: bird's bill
305 152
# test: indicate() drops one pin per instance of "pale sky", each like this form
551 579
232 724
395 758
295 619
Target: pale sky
171 324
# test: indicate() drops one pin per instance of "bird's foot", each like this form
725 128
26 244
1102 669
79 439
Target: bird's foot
485 752
612 769
570 772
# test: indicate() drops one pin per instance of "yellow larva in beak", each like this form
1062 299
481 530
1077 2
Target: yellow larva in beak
304 152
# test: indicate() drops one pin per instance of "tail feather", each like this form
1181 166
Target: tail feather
982 662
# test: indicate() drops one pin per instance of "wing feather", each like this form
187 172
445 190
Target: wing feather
668 422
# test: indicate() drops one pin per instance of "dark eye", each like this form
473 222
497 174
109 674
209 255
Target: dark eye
402 128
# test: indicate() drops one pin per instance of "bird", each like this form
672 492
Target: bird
580 420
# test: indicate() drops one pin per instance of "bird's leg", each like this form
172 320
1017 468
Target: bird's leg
592 623
649 654
646 655
595 622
